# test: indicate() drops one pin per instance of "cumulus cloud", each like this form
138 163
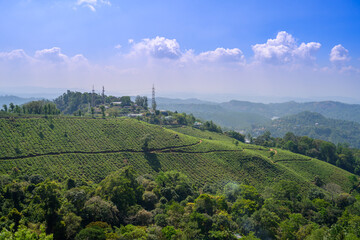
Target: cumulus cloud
158 47
306 50
18 54
284 49
222 55
78 60
339 54
92 4
164 48
53 55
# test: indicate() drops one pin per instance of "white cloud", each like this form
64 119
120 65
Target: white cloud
18 54
284 49
130 40
158 47
306 50
222 55
52 55
92 4
118 46
339 54
78 59
164 48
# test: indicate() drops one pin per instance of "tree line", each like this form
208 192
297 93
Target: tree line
340 155
128 206
34 107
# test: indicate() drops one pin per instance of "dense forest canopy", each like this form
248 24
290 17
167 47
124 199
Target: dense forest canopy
128 206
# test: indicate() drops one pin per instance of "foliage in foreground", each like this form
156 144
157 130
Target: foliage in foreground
127 206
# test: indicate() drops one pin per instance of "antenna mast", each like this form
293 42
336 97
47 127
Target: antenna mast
153 103
103 95
93 97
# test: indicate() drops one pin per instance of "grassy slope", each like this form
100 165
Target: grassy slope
103 146
299 166
21 137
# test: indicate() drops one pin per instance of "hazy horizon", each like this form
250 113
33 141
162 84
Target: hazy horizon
214 51
52 93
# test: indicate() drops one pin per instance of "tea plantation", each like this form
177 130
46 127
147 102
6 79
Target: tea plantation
90 149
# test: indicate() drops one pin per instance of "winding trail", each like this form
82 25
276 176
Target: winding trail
273 150
294 160
172 149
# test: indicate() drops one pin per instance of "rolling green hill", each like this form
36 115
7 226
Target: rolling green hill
317 126
90 149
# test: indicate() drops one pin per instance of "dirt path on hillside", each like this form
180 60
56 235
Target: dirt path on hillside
173 149
273 150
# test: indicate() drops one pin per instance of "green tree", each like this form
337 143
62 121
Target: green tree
97 209
91 233
47 194
121 188
173 185
244 207
5 107
125 101
24 233
17 109
204 204
102 108
11 107
146 140
267 222
169 232
15 216
289 227
149 200
175 212
77 197
232 191
92 112
72 225
291 146
238 136
130 232
328 152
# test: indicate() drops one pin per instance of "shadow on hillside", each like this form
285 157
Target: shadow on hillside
153 161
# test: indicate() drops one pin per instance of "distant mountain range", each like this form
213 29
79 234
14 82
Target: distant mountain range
241 115
316 126
331 109
7 99
215 112
327 120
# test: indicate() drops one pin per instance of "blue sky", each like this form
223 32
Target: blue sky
241 48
